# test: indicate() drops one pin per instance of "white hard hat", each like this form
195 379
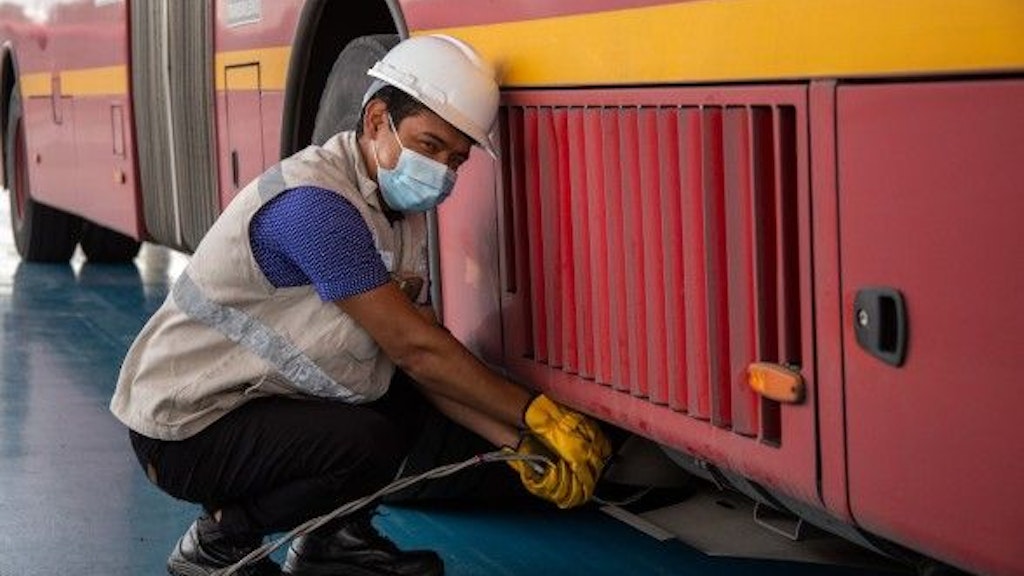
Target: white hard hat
447 76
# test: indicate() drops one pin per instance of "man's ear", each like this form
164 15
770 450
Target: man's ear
374 117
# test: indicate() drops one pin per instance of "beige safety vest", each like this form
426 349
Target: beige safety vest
225 335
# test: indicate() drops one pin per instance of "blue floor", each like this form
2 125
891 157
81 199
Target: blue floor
74 501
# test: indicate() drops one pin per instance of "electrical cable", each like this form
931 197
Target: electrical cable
636 497
400 484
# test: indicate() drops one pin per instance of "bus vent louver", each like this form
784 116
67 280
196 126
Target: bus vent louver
661 249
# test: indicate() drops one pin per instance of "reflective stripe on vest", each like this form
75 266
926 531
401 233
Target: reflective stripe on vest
261 340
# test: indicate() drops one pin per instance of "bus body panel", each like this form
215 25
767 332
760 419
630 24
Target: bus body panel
468 242
827 301
79 156
251 62
930 190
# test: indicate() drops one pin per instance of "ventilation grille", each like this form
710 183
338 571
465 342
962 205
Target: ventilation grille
657 248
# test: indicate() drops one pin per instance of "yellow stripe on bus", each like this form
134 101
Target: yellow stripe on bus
723 40
39 84
273 63
695 41
107 80
113 80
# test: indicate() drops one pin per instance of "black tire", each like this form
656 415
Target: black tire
41 233
103 245
342 98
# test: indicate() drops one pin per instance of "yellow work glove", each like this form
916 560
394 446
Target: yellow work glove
553 481
572 436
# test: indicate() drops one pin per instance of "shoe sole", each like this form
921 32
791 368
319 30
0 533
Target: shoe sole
333 570
183 569
338 568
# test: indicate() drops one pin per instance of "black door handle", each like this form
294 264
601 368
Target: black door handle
880 322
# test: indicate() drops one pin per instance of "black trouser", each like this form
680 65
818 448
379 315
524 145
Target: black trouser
276 462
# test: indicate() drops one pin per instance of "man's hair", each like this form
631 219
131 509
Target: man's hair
400 105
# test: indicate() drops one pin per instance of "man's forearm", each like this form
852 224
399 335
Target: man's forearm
492 430
433 357
445 368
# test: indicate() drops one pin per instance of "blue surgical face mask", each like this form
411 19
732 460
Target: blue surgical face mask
416 183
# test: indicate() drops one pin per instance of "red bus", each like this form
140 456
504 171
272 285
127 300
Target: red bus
779 238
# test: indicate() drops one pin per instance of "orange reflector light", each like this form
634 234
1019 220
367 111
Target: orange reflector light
776 382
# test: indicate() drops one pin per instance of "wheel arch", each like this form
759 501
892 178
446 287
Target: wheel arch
324 28
8 81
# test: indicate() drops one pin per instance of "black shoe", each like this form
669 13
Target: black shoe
351 546
204 549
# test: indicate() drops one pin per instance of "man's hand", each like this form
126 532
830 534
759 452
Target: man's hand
572 436
554 481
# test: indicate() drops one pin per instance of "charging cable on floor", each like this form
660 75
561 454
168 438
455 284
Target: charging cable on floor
400 484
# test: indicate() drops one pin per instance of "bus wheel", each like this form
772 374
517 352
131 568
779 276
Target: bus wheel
342 98
104 245
41 233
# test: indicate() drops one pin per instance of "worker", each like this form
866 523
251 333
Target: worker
273 383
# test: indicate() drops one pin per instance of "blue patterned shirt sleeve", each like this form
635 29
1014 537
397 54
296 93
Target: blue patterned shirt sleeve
310 235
